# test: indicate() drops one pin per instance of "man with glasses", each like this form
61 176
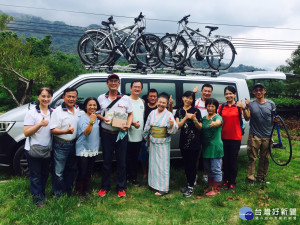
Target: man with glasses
261 118
113 139
135 133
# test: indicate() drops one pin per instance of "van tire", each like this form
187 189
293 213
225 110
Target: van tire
20 165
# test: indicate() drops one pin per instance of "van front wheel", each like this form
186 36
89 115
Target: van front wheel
20 164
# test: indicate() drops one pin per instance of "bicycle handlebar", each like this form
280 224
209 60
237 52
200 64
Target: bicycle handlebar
184 19
139 18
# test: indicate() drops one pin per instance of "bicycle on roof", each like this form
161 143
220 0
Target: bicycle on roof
105 46
172 50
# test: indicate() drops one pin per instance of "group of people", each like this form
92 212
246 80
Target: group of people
208 131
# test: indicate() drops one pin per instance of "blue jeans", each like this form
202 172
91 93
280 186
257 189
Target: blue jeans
65 167
38 176
109 147
213 168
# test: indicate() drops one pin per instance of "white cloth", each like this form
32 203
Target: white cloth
43 135
136 135
61 118
199 104
123 106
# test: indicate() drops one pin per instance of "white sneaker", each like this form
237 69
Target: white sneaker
205 178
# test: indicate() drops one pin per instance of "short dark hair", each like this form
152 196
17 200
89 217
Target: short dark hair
188 94
49 90
69 89
212 101
231 89
164 95
207 85
89 99
136 81
152 90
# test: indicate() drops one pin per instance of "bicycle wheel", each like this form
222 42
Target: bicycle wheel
280 145
220 54
145 50
196 60
172 50
94 48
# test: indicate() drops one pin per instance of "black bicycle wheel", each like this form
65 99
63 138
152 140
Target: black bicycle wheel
145 50
220 54
196 60
281 153
172 50
93 49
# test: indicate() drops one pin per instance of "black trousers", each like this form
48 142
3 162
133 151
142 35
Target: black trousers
190 157
231 152
133 150
85 167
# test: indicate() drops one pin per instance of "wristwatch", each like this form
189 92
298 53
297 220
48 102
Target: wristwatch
195 121
92 123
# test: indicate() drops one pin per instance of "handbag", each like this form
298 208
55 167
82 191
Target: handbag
39 151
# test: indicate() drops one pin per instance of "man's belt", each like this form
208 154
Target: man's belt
63 140
109 131
159 132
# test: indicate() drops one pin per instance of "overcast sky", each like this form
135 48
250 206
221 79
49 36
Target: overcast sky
251 14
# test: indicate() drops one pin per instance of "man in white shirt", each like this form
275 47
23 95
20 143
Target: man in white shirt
135 133
63 126
113 139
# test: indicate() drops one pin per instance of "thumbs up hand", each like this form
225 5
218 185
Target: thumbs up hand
171 101
70 130
44 122
213 123
240 104
193 116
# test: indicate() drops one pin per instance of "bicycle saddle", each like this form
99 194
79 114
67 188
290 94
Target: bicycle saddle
212 28
104 23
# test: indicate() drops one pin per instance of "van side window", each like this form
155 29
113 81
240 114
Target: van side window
218 89
92 89
168 87
85 90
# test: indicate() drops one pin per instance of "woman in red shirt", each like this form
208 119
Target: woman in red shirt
231 135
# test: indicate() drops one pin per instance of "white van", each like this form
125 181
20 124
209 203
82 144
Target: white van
12 138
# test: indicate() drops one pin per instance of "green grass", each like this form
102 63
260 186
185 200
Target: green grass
140 206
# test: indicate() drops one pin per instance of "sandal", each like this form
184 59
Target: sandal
161 193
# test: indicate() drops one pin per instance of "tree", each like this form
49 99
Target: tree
4 20
18 69
292 83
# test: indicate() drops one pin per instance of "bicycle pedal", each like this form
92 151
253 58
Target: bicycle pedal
277 145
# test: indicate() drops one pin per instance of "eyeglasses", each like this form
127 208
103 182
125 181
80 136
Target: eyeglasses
258 90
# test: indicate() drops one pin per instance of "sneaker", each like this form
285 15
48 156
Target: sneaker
40 204
205 178
183 190
189 191
225 185
135 183
250 182
231 187
263 181
121 194
102 193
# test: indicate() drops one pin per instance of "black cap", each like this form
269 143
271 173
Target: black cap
258 85
113 76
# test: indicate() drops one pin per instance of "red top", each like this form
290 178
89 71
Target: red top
231 128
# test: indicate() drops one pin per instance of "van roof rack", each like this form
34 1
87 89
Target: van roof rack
181 70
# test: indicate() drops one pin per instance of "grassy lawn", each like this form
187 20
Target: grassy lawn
140 206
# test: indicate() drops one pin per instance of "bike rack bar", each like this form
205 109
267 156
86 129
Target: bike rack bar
144 70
